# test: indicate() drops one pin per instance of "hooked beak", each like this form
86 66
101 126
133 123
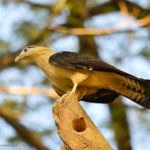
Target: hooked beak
18 58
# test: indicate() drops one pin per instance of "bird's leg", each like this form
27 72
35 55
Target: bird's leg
77 78
74 88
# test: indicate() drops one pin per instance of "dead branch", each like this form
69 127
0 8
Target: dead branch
75 127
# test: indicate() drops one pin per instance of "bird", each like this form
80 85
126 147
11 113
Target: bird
92 79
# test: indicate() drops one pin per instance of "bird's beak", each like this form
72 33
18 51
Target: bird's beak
18 58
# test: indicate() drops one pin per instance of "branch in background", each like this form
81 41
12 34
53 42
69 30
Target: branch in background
123 8
59 6
27 135
136 11
132 6
8 112
84 31
36 5
113 6
141 22
145 21
92 31
29 90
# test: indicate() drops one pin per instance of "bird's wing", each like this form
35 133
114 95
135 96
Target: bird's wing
72 60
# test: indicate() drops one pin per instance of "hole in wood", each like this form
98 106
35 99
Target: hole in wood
79 124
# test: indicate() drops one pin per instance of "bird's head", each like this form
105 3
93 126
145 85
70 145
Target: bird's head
29 53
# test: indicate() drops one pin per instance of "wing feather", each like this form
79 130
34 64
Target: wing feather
72 60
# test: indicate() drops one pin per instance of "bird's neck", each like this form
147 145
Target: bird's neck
43 62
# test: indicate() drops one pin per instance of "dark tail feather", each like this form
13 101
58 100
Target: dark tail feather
136 89
143 93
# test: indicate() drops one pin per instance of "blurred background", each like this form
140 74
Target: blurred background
117 31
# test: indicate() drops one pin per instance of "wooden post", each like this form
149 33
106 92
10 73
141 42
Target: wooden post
75 127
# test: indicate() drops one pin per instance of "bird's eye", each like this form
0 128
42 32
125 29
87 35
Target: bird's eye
25 49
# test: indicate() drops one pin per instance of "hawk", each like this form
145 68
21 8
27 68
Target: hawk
91 79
